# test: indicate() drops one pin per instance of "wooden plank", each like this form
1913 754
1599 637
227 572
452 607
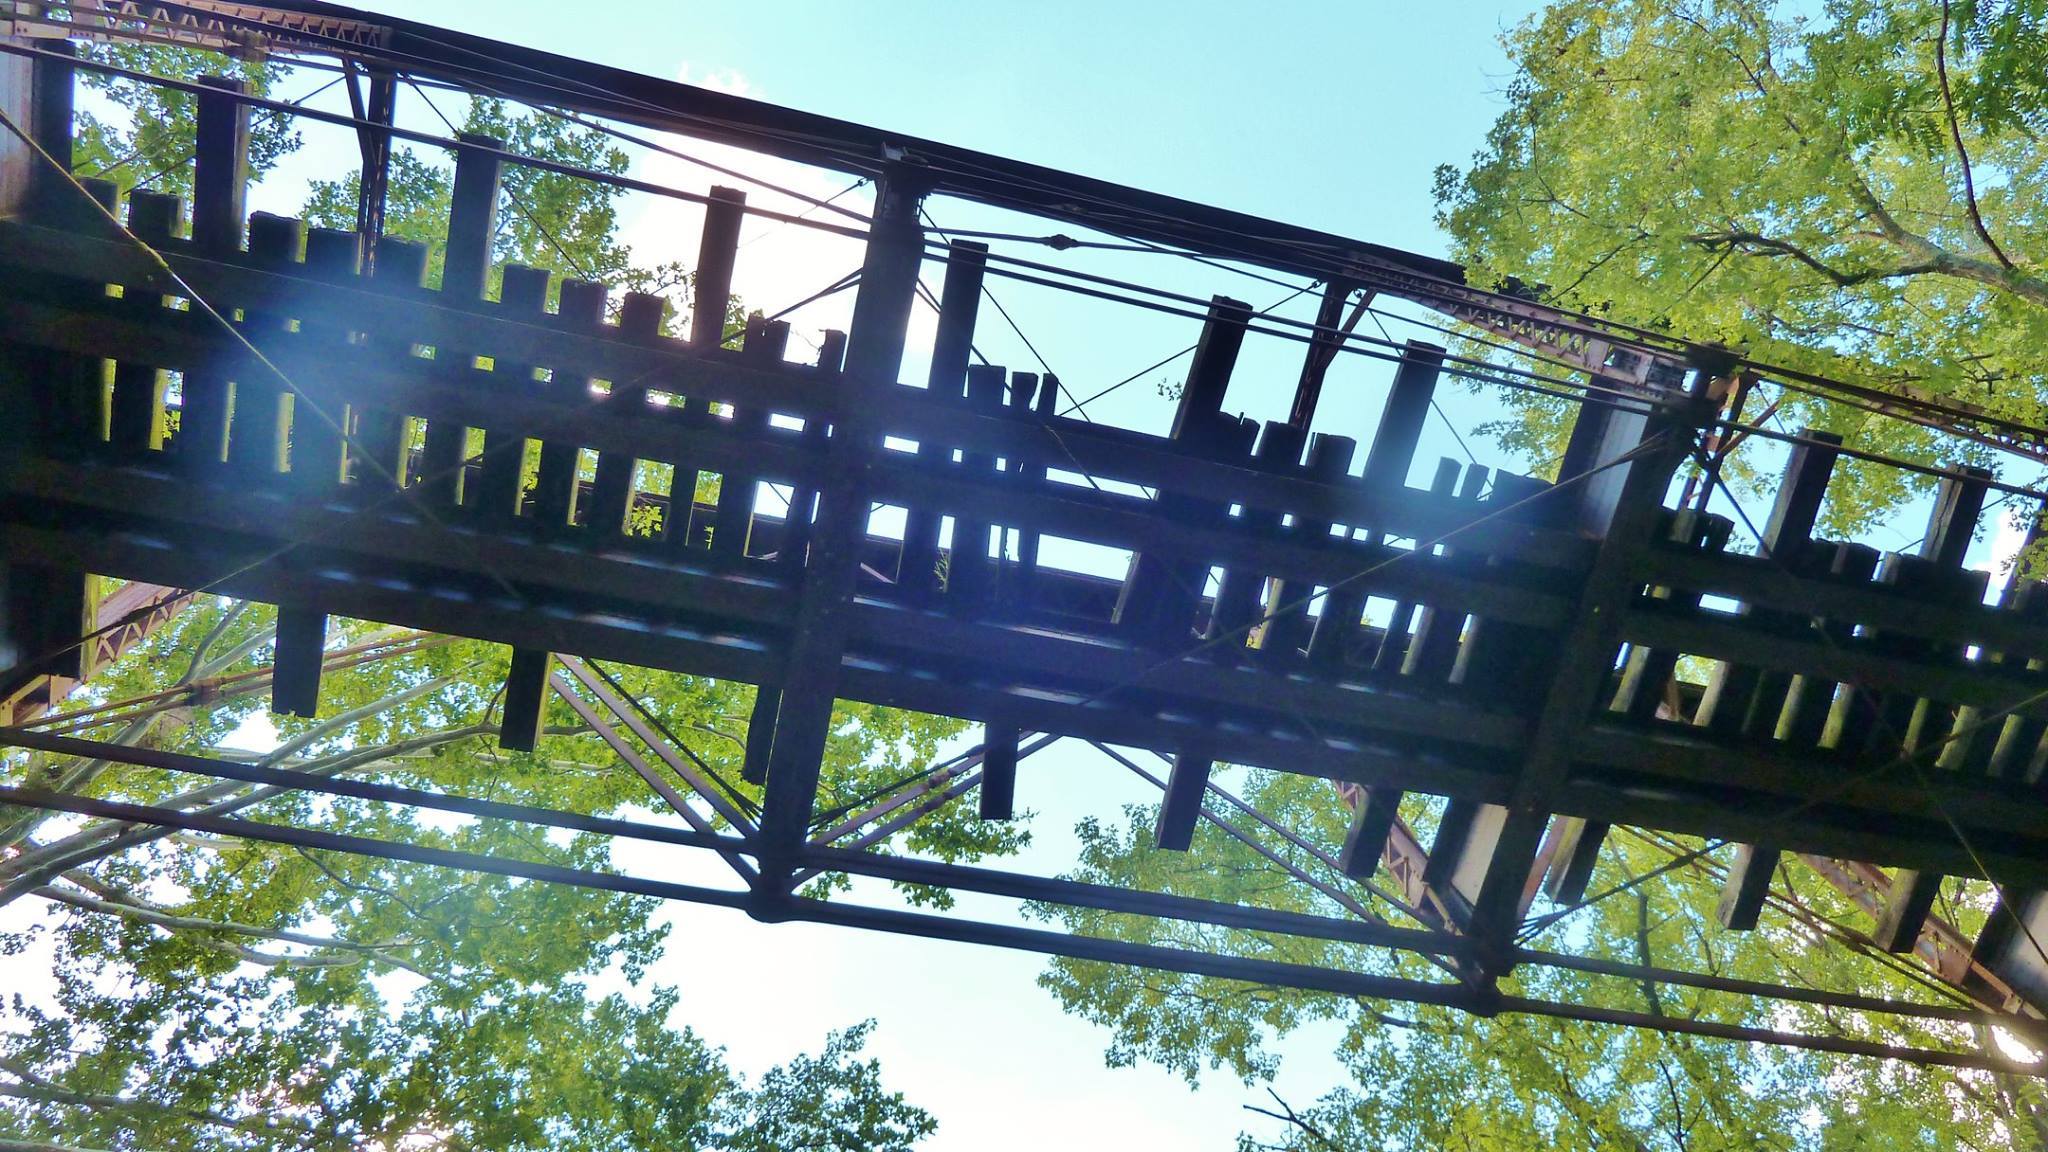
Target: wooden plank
1740 699
1571 864
969 568
611 491
220 171
1365 840
1905 910
717 250
1403 626
946 380
1039 397
317 449
135 413
2014 743
998 800
500 480
1584 661
45 610
465 268
580 309
1180 808
1747 886
766 341
1155 588
51 95
874 358
1291 631
1237 610
295 671
1391 454
2011 942
378 456
262 402
526 688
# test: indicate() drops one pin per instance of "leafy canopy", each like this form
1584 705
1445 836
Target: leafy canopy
1848 188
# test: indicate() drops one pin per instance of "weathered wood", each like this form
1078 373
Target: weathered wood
738 491
1584 661
1180 807
2011 942
317 447
1290 632
555 511
998 799
1236 610
1572 863
378 454
946 380
1391 454
135 416
465 268
1365 840
969 575
526 689
717 250
500 480
1747 886
295 671
220 171
263 403
611 491
50 95
1905 910
874 358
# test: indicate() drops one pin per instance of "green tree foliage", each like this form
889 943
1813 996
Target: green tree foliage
1430 1078
1846 188
148 142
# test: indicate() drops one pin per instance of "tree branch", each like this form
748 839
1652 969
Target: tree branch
1955 132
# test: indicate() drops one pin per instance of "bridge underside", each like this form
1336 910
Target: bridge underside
289 416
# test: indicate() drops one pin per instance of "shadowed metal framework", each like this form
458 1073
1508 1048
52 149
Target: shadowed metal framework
1869 713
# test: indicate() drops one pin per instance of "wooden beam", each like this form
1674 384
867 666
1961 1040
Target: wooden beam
2011 942
220 172
526 690
738 490
1905 910
258 429
1391 454
999 771
874 358
1627 512
946 381
316 447
717 251
969 572
611 491
1747 886
300 647
1180 808
501 476
1366 838
465 269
